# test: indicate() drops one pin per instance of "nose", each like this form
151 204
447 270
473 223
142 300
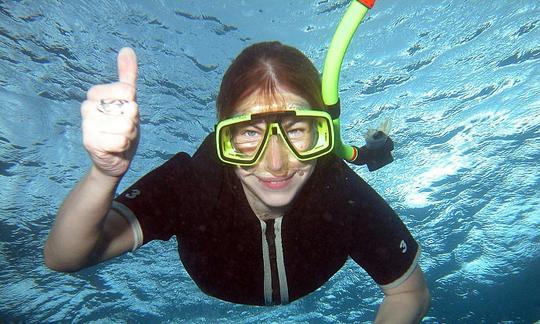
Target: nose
276 159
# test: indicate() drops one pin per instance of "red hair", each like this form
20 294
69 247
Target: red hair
267 69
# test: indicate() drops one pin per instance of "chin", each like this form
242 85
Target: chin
277 200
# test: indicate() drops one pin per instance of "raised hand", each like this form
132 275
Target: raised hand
110 119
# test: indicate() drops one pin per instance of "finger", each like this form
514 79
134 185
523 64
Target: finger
111 126
109 143
127 66
117 90
129 111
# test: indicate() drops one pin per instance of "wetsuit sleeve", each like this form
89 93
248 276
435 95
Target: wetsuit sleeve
380 242
156 200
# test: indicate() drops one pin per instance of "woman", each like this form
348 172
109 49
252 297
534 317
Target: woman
262 212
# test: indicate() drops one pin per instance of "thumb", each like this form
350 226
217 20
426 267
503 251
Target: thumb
127 66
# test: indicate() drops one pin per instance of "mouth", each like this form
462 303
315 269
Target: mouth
276 183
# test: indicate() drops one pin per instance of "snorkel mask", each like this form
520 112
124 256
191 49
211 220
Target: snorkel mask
377 151
307 133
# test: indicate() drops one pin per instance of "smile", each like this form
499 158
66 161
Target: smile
276 183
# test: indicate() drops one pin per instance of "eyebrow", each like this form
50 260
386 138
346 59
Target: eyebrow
293 120
254 124
273 107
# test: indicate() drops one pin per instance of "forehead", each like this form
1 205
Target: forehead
256 103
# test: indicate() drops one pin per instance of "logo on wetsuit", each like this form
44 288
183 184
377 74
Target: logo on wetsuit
403 246
133 194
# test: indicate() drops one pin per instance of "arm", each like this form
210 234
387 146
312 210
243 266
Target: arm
406 303
86 230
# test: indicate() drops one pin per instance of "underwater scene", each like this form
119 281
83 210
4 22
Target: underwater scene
459 80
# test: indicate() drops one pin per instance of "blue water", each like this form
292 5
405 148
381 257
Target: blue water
459 79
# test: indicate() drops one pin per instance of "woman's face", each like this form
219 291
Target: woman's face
278 176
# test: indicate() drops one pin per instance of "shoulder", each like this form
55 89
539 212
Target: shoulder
203 160
207 149
333 188
335 174
184 171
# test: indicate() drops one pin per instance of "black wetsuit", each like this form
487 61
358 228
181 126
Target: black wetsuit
232 255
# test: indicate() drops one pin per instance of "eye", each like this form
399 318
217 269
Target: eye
249 133
298 128
296 132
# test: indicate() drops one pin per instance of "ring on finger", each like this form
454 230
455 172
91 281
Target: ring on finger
112 106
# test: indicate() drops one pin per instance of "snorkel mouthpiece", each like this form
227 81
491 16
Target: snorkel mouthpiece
377 151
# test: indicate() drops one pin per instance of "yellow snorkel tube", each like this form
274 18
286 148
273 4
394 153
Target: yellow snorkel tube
377 151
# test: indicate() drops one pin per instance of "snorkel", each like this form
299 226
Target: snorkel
377 151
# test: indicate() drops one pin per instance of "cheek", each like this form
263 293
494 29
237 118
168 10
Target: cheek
242 172
302 165
303 169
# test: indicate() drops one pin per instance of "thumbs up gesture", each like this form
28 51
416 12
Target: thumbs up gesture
110 119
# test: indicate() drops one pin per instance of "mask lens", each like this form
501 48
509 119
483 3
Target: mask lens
247 137
301 133
307 135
